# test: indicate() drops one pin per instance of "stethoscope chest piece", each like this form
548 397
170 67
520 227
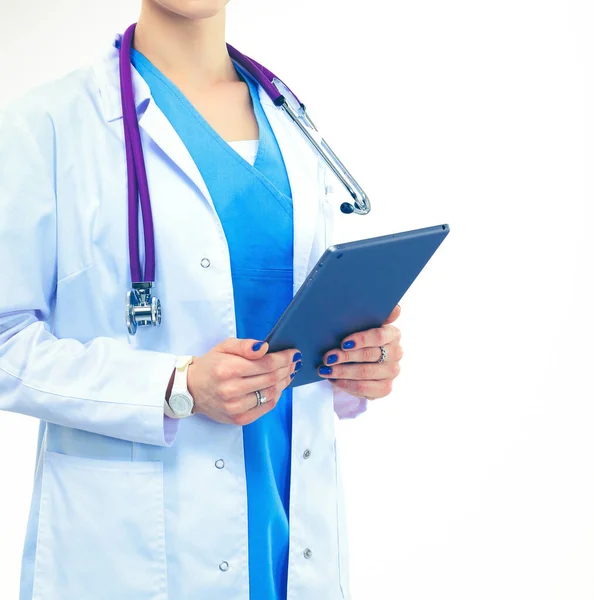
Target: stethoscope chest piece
142 308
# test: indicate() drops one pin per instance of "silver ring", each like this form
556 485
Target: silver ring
383 356
260 398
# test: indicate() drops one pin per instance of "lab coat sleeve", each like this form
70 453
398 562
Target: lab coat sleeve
103 386
346 406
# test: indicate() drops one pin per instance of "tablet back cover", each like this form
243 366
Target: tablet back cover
353 287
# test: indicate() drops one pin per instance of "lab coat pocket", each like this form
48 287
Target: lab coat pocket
101 530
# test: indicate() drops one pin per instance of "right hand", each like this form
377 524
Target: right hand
223 381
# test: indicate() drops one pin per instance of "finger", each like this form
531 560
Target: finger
234 367
365 389
393 315
379 336
247 347
362 371
253 411
273 361
243 386
248 416
371 354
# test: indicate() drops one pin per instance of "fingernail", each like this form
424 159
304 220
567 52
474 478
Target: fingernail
332 359
325 370
257 346
348 344
297 356
298 365
293 375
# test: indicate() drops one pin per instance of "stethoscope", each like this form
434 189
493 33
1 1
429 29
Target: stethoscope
142 308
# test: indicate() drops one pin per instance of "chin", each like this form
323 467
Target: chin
193 9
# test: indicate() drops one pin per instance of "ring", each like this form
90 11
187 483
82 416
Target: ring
383 356
260 398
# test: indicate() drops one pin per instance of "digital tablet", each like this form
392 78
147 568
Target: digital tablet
353 287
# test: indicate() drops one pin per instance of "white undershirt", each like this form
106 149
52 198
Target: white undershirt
247 149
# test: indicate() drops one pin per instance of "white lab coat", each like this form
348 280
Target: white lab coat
117 512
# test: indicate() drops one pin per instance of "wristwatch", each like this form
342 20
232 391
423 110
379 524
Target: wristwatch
180 403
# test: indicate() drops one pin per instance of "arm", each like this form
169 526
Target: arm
104 386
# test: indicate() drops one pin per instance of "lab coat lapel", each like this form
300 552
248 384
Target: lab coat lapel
300 161
150 117
160 130
302 165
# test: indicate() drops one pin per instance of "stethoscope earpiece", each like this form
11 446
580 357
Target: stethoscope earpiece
347 208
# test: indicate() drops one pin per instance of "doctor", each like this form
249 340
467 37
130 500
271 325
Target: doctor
134 498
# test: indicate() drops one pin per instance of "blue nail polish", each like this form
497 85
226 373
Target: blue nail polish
293 375
325 370
257 346
332 359
348 344
297 356
298 365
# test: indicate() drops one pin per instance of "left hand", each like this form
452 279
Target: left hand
355 369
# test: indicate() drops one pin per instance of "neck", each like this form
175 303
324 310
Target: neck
193 52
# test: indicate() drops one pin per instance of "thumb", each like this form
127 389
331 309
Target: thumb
248 347
393 315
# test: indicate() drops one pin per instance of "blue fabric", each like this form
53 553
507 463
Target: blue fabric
255 209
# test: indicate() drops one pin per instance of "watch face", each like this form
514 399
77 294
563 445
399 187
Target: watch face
181 405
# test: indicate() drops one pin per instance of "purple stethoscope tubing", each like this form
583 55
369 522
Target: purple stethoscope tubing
137 180
141 307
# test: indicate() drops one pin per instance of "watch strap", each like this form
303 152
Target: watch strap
180 380
180 383
168 411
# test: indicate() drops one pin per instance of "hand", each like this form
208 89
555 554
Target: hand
355 368
223 381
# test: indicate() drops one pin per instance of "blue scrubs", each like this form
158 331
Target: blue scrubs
255 208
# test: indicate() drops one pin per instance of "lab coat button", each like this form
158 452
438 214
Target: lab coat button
205 263
220 464
224 566
307 553
307 453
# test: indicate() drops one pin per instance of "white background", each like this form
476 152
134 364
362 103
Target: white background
475 478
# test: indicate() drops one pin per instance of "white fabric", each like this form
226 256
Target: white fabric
118 512
247 149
